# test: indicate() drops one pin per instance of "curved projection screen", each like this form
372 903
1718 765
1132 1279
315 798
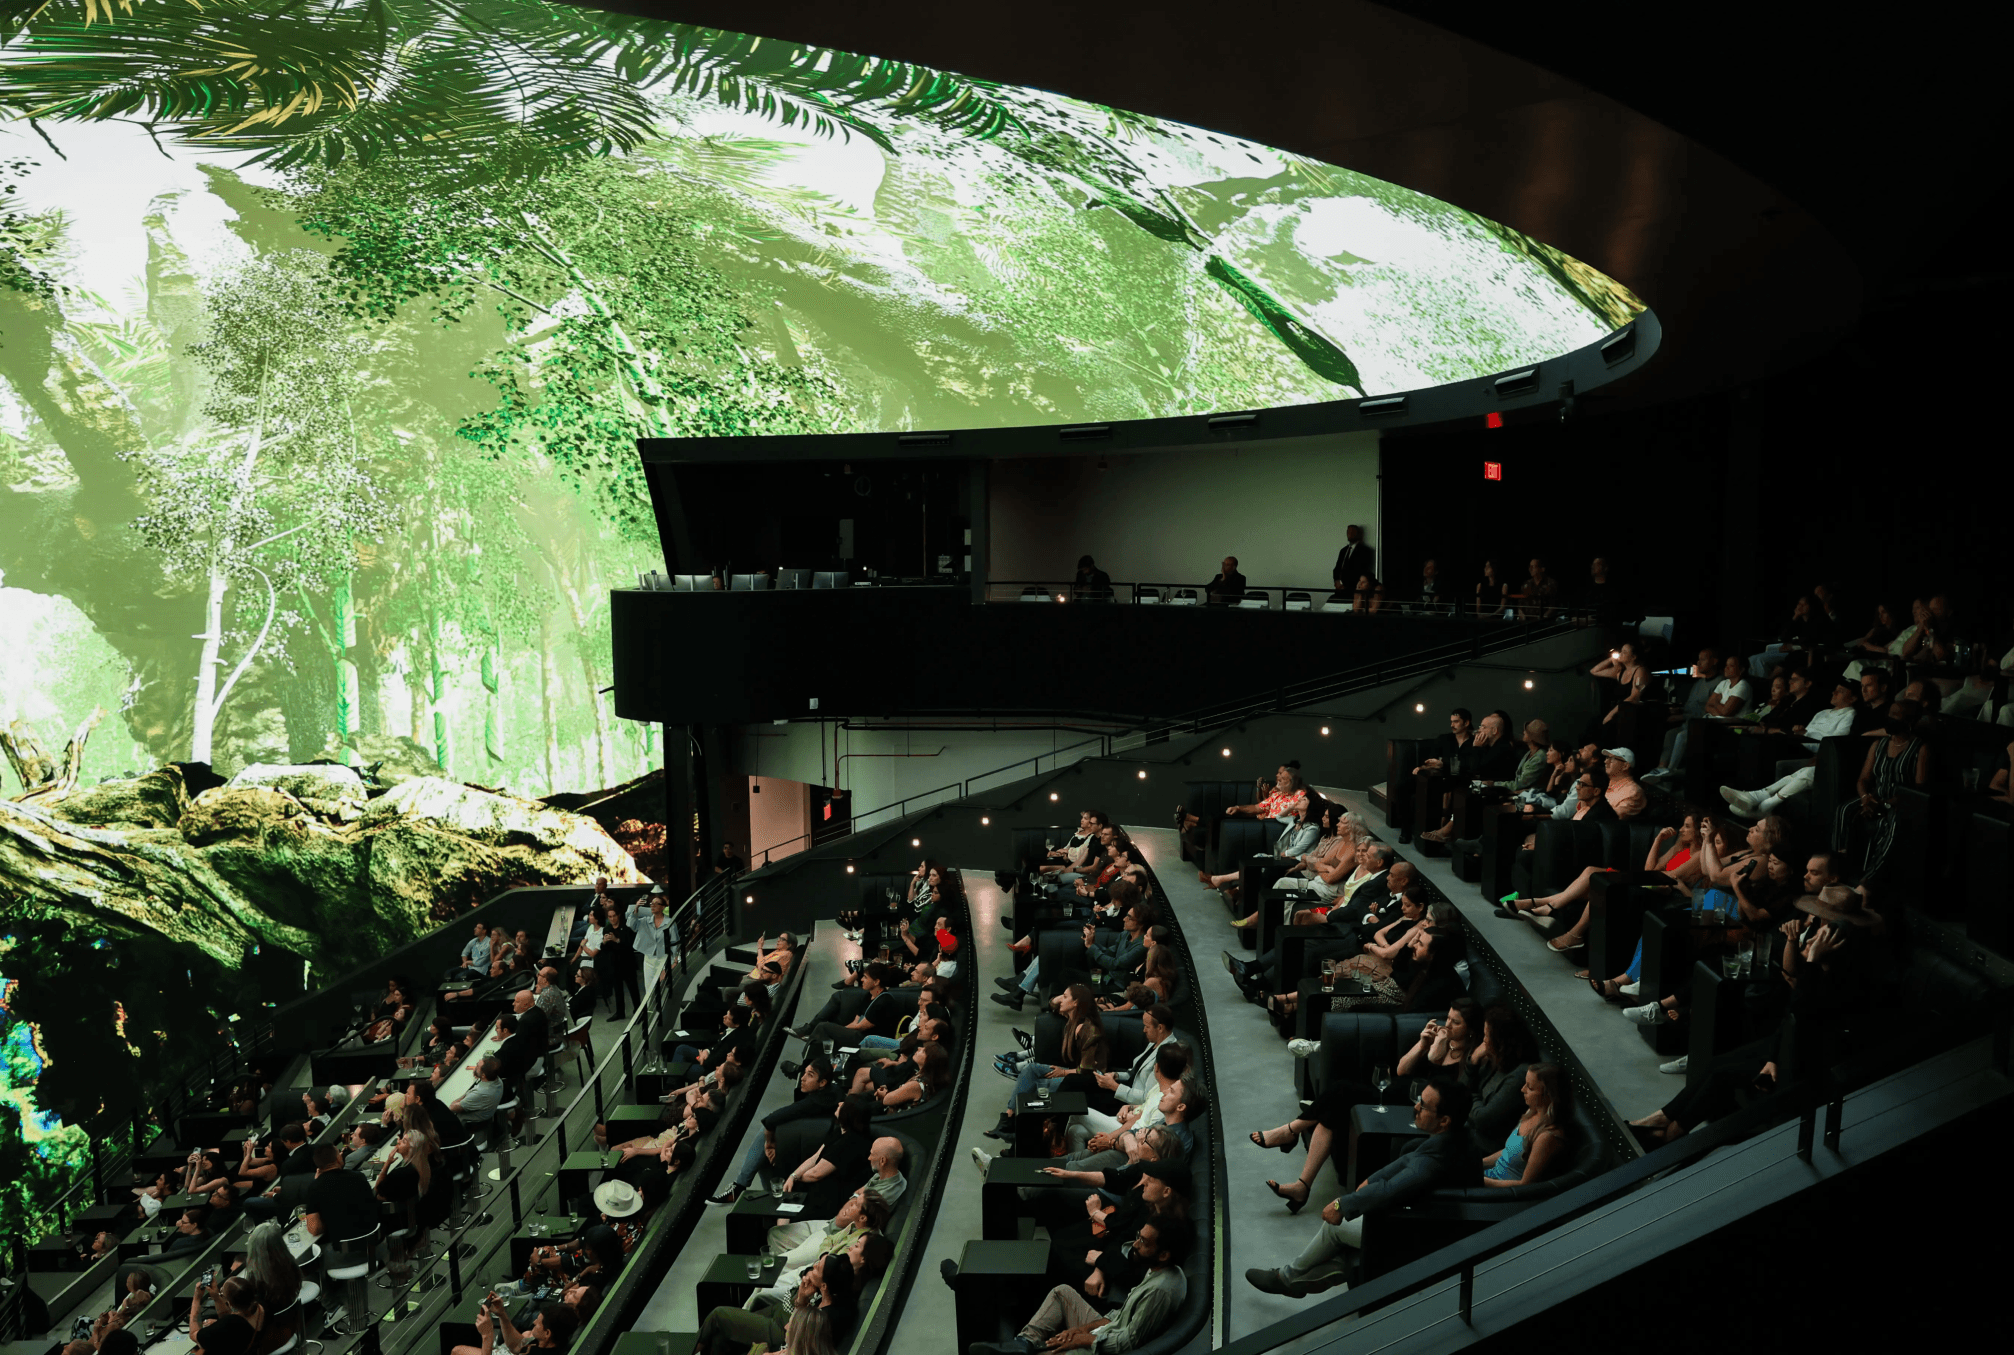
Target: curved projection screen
327 328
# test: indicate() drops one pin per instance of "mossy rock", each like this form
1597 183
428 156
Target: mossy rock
156 800
236 812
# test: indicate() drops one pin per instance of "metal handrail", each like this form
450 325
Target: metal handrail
1129 593
1346 683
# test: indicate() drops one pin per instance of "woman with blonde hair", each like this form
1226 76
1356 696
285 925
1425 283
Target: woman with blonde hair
1533 1149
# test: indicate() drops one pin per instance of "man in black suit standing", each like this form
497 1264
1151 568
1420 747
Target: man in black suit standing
1446 1157
1354 561
1229 585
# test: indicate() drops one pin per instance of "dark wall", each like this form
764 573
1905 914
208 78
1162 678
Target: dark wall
887 651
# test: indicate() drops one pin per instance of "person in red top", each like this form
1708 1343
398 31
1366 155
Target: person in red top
1289 798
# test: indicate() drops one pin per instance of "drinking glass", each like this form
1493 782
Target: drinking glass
1382 1076
1328 976
1731 963
1971 778
755 1268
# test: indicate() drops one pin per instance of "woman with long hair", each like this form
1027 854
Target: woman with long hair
269 1265
933 1075
1083 1047
1534 1148
240 1321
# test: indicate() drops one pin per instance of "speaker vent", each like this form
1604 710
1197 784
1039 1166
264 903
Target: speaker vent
1620 348
1517 383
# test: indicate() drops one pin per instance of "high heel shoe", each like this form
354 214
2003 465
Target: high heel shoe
1258 1136
1293 1205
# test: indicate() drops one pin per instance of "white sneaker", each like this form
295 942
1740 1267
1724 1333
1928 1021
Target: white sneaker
1677 1065
1738 800
1646 1015
982 1160
1300 1049
1631 989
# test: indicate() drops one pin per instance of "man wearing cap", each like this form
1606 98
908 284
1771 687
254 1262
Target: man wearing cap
1625 793
1828 962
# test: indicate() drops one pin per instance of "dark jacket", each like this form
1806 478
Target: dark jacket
1226 588
1437 1162
1354 562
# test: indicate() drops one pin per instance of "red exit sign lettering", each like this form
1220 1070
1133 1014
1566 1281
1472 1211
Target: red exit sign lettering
1493 470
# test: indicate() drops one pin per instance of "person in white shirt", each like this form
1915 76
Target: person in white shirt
1835 719
647 919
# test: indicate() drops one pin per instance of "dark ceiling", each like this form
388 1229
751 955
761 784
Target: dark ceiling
1757 176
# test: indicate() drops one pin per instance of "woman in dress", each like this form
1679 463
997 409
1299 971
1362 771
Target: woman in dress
1867 825
1627 670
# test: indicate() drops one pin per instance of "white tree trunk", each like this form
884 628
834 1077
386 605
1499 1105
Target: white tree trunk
206 667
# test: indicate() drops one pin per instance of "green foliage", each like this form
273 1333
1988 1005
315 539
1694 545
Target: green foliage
619 328
25 240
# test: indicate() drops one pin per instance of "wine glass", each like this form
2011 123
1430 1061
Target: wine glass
1382 1076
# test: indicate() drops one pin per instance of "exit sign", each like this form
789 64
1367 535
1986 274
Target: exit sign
1493 470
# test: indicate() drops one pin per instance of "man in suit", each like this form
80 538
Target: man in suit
1229 585
1354 561
1446 1158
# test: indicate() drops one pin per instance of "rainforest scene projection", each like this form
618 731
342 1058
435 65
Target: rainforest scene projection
327 328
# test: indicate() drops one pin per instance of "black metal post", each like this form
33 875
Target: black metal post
1807 1129
1835 1113
1468 1293
516 1205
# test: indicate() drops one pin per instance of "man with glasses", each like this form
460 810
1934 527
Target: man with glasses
1446 1158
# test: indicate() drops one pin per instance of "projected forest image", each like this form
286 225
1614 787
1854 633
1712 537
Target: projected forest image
326 333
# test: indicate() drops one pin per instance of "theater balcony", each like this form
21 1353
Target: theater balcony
741 656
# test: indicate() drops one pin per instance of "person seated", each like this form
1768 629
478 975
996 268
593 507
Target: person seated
1298 838
1091 583
784 953
553 1325
1422 976
1228 587
1535 1147
1626 669
1829 963
932 1076
1804 702
1287 793
1444 1157
839 1165
1491 756
192 1232
879 1016
1838 718
1539 595
1067 1320
1070 858
800 1244
236 1327
1671 855
1083 1047
1119 955
822 1313
474 962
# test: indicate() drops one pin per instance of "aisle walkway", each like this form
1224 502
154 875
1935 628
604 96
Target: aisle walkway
675 1305
930 1316
1615 1055
1255 1090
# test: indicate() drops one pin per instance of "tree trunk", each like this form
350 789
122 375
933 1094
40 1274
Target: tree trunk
493 713
580 630
343 636
436 656
42 776
205 710
548 687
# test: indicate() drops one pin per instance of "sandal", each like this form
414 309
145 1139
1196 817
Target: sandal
1293 1205
1566 949
1258 1136
1583 974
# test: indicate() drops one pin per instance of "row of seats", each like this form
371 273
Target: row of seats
1013 1185
1350 1044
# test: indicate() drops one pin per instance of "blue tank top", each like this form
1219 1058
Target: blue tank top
1509 1165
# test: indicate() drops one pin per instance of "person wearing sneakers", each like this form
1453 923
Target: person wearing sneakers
1837 718
1445 1158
